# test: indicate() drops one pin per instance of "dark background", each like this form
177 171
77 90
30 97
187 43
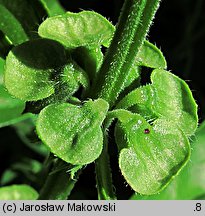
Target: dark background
179 30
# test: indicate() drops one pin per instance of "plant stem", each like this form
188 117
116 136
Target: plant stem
59 183
133 25
104 175
47 166
135 20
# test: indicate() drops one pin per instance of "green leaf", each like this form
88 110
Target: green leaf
86 28
189 184
71 132
12 119
18 192
8 176
53 7
31 69
25 15
150 56
150 155
27 169
168 96
10 107
11 27
90 59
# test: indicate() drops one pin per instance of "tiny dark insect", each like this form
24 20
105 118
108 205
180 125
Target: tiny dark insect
146 131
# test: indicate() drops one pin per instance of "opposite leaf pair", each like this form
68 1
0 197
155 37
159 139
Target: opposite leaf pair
151 154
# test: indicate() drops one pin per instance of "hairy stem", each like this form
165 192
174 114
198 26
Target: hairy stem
133 25
135 20
104 175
